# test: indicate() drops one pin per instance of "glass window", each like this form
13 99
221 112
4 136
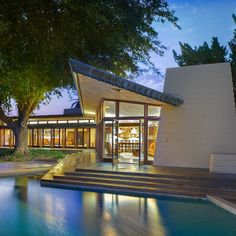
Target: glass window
62 121
30 137
108 139
43 122
33 122
35 137
1 137
152 136
92 137
72 121
52 122
57 137
70 137
47 137
131 109
80 138
86 138
83 121
7 140
109 109
154 111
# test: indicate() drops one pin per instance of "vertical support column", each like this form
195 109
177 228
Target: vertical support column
52 138
63 138
76 138
145 133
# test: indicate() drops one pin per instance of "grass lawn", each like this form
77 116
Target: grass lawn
37 154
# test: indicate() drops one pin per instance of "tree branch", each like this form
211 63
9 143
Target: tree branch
9 121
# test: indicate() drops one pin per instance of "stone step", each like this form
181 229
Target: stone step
119 188
155 178
146 184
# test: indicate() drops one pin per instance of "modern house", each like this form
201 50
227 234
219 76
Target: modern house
192 123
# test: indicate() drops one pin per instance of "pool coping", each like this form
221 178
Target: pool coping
226 205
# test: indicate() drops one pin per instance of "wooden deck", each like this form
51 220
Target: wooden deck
82 171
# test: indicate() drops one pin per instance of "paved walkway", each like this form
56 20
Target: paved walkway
25 168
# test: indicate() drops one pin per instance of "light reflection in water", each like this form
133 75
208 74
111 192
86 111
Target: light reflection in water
31 210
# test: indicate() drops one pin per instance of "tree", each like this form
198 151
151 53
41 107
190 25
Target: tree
232 46
38 38
203 54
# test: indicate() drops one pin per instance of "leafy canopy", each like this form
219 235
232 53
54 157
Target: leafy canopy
204 54
38 38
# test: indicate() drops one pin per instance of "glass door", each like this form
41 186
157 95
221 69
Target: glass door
115 128
141 142
128 141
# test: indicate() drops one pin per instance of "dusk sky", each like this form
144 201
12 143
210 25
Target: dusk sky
200 20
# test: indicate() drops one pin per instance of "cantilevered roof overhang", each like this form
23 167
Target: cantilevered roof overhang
94 84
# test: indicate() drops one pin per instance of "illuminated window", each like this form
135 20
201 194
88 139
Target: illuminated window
52 122
72 121
154 111
7 140
62 121
109 109
70 137
33 122
35 137
83 121
131 109
152 136
57 137
80 138
86 138
47 137
92 137
42 122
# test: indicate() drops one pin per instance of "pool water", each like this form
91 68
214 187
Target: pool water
28 209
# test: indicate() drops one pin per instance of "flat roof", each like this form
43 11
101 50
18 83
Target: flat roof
94 84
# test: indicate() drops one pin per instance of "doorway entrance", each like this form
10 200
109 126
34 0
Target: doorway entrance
124 141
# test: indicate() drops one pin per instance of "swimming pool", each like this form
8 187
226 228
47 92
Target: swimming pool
28 209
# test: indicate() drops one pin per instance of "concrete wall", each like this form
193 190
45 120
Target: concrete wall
204 124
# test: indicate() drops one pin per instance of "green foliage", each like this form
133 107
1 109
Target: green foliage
7 154
38 38
232 46
204 54
46 153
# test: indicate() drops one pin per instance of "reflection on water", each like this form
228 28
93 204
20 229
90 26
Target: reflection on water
21 188
28 209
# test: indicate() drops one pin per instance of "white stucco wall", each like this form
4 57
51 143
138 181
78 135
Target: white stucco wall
204 124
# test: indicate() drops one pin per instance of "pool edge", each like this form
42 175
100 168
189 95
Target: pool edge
226 205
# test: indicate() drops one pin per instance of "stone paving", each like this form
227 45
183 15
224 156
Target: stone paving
25 168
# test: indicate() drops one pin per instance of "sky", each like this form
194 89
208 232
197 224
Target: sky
200 20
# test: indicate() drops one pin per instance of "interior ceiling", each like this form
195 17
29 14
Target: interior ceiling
92 91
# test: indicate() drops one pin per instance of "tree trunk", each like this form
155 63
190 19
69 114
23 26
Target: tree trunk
21 139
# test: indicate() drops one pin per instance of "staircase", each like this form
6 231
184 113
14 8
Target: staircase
144 184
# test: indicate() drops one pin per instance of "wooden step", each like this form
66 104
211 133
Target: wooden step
156 178
118 188
146 181
145 184
219 177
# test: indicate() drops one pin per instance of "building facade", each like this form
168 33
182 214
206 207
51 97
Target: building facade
56 131
192 123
